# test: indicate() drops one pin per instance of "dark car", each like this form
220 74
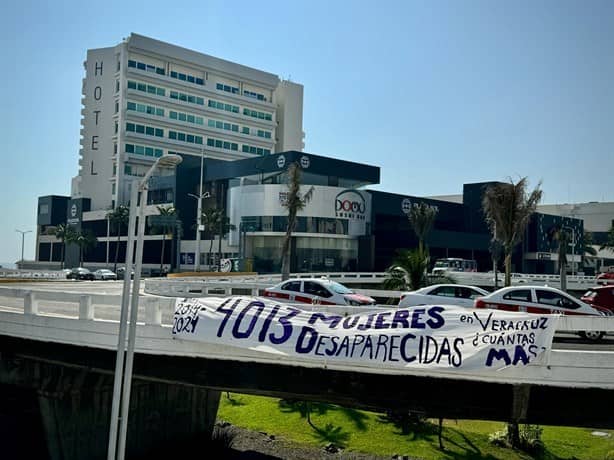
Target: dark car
600 296
80 273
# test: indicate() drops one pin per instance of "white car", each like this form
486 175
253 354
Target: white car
104 274
539 300
448 294
316 291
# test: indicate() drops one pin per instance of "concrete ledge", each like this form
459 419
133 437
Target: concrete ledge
209 274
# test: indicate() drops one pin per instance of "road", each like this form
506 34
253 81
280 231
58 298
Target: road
562 340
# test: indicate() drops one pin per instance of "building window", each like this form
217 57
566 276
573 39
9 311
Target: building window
187 77
221 106
183 137
253 95
220 144
143 129
143 150
145 88
223 125
187 117
146 67
143 108
257 114
227 88
255 150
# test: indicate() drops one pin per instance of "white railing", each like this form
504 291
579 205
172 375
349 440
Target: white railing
87 324
10 273
574 282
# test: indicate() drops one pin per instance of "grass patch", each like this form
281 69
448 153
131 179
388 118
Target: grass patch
319 424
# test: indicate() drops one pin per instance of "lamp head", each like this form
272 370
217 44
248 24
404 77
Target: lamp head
170 159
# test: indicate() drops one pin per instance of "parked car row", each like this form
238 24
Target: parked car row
530 299
80 273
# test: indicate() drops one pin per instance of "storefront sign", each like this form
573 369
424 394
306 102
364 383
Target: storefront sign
350 204
430 337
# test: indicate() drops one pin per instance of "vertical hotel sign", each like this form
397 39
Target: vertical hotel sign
97 95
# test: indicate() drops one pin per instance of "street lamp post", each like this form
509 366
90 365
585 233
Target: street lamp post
23 234
573 247
199 211
125 352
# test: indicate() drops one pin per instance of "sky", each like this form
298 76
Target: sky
435 93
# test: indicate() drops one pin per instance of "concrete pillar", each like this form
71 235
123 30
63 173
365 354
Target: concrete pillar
86 310
153 313
30 303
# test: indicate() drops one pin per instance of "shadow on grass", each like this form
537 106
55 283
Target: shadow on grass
307 408
233 400
472 452
411 424
332 434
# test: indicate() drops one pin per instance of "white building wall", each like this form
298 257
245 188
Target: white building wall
290 135
597 217
95 163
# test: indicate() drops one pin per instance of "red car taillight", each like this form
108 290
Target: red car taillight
479 303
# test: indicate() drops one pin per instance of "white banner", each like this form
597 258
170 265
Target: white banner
432 336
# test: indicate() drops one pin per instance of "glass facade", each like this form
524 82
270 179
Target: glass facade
311 254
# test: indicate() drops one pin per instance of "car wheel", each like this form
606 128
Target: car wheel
593 336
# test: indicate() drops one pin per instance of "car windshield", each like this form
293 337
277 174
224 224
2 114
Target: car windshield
590 293
339 288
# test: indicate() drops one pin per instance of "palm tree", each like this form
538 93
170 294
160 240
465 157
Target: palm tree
65 233
421 217
166 228
586 248
408 271
507 209
210 219
562 237
85 240
118 218
223 226
294 203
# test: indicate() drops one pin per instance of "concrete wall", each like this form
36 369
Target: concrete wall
74 407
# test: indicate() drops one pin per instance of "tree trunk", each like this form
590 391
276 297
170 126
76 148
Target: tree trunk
440 434
508 269
161 254
62 255
513 434
210 251
116 252
285 250
219 245
563 273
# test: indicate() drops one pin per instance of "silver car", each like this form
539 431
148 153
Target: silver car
446 294
104 274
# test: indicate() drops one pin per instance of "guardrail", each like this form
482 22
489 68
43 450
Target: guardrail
85 326
10 273
574 282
